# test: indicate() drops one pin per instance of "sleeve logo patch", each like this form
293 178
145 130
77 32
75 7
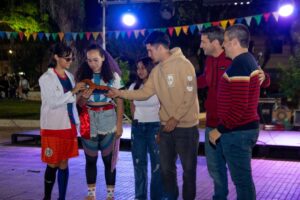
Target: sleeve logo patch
171 80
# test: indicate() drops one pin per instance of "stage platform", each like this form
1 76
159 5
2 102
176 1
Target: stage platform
271 144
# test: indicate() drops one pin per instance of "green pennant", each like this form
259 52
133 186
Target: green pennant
54 36
258 19
81 35
207 24
14 35
163 30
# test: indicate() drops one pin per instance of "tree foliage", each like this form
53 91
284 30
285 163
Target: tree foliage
25 18
290 83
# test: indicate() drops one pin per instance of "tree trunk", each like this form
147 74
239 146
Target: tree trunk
69 16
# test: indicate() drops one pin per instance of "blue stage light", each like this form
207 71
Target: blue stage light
286 9
129 19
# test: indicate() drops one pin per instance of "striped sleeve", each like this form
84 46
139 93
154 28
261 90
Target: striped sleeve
237 89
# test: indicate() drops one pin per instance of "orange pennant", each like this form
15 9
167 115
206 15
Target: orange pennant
34 35
185 29
231 21
61 36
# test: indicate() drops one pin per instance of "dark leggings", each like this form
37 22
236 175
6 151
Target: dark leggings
91 169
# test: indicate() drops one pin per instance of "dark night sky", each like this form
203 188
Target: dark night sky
149 17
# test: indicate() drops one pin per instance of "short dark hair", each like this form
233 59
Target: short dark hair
240 32
61 50
214 33
158 37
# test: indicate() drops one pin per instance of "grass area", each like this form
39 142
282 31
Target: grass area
16 109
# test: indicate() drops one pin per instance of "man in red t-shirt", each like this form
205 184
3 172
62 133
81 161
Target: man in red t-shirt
215 65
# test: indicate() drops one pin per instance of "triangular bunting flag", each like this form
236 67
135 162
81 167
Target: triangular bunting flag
164 30
117 34
143 32
248 20
14 35
88 35
41 36
267 16
27 35
171 30
231 21
68 36
123 33
215 23
95 35
8 35
74 36
54 36
207 24
61 35
136 33
276 16
34 36
47 36
2 34
129 33
192 28
258 19
81 35
185 29
224 23
239 20
200 27
21 35
177 30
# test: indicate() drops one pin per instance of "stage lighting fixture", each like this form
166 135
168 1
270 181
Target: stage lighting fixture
225 2
286 7
129 19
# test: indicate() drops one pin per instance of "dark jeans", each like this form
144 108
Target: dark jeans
237 149
142 142
216 166
183 142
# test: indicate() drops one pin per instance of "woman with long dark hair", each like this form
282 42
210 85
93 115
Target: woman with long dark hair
101 118
144 131
59 118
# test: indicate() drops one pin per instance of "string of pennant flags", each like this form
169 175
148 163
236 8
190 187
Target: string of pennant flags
68 36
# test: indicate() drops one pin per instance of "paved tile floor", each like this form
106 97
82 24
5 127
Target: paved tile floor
21 177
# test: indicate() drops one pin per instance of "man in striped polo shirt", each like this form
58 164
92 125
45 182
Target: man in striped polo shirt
238 96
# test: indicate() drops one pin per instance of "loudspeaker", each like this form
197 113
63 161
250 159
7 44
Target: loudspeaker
297 118
265 111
